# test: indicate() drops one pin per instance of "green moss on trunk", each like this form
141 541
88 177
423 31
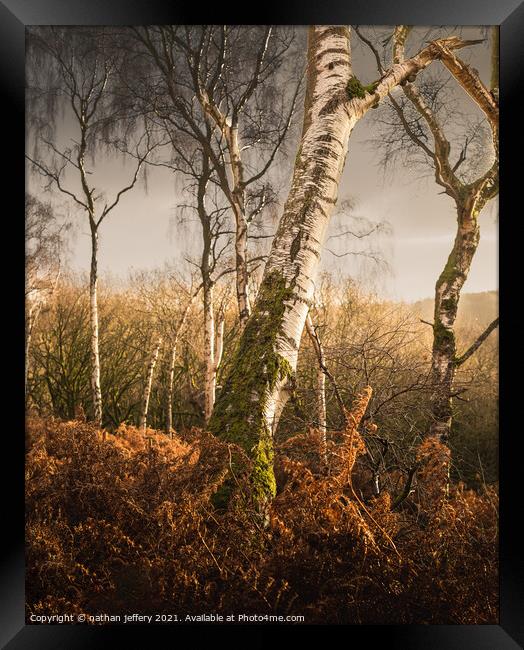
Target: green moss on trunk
443 336
354 88
257 368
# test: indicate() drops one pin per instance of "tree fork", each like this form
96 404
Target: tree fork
256 389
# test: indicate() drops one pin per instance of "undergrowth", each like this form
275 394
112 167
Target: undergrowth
121 523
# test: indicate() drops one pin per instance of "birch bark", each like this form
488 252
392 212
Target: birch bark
209 352
29 324
93 321
148 385
447 294
469 200
172 363
257 387
214 344
170 388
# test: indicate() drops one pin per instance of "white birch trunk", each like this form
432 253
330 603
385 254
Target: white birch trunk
214 345
219 344
238 203
96 392
469 199
242 276
148 385
29 324
236 197
209 352
170 389
256 389
447 296
172 363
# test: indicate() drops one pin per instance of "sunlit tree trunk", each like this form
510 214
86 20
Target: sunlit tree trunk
209 352
148 385
469 200
238 203
170 389
96 392
257 386
213 348
29 323
254 393
447 294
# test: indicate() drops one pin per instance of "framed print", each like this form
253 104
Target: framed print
264 280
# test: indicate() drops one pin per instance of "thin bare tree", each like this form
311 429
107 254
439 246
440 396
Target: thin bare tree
149 383
75 68
321 376
44 247
232 79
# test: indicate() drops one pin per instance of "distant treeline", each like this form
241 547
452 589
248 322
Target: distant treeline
366 341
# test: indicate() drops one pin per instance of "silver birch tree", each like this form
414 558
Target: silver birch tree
470 196
257 387
78 67
44 239
149 384
226 71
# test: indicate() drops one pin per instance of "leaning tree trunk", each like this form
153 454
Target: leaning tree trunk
96 392
447 295
257 387
254 393
148 385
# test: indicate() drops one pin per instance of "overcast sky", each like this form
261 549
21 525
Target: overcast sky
144 231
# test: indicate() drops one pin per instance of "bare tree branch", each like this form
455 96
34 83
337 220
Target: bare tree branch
476 345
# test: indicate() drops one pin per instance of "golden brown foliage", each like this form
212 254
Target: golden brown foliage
123 523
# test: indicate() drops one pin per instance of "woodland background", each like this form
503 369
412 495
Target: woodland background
239 424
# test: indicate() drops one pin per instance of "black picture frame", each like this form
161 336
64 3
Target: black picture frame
14 16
